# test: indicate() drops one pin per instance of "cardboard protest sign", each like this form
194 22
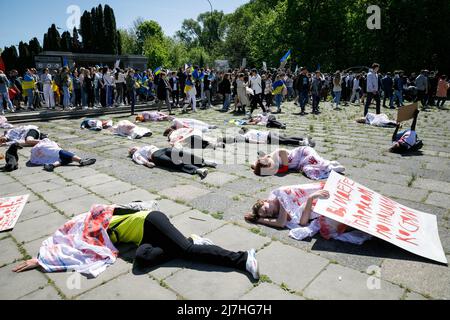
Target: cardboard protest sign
407 112
361 208
10 210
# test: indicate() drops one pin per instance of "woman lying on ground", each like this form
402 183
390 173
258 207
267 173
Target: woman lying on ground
406 141
4 124
301 159
47 153
191 123
25 136
96 125
153 116
377 120
268 137
292 207
86 243
190 138
127 129
170 158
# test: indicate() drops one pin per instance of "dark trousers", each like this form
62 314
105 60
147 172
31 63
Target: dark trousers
175 97
163 242
303 100
441 101
77 93
257 99
371 96
177 160
316 101
390 96
422 97
283 140
269 99
132 99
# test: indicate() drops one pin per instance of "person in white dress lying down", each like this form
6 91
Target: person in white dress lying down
268 137
96 125
49 154
292 207
171 158
301 159
128 129
191 138
191 123
25 136
377 120
156 116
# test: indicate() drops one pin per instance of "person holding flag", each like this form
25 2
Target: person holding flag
286 57
28 85
191 93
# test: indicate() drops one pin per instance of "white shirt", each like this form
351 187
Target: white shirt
144 153
255 136
46 78
18 134
45 152
255 83
121 78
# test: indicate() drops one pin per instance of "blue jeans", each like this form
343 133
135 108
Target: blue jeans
337 97
30 97
83 97
303 100
227 102
398 95
278 100
66 101
5 95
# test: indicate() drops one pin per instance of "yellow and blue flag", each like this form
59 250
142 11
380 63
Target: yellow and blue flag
286 56
278 87
158 71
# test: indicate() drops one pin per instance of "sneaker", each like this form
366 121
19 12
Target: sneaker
211 164
203 173
49 167
201 241
252 264
87 162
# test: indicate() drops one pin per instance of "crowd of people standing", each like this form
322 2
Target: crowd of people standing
188 87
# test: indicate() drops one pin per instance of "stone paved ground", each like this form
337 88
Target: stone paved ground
315 269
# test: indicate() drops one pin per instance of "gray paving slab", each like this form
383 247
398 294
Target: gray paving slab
94 180
143 288
423 277
438 199
37 228
268 291
111 188
293 267
341 283
241 240
72 173
10 252
15 285
133 195
202 282
63 194
46 293
76 206
219 179
195 222
72 284
171 208
35 209
184 193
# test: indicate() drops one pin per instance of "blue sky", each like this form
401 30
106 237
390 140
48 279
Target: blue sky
28 19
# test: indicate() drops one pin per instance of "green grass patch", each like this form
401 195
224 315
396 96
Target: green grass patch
411 181
217 215
255 230
264 278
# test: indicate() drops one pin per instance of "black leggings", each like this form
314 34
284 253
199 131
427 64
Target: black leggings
274 138
163 242
188 162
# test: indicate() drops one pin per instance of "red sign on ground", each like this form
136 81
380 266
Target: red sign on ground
10 210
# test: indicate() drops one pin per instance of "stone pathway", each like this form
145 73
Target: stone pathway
292 270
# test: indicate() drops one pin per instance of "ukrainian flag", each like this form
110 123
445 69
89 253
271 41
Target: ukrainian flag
286 56
278 87
188 87
158 71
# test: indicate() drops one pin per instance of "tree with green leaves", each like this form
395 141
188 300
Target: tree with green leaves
110 43
146 30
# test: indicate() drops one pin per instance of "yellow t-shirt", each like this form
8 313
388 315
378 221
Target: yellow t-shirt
131 228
